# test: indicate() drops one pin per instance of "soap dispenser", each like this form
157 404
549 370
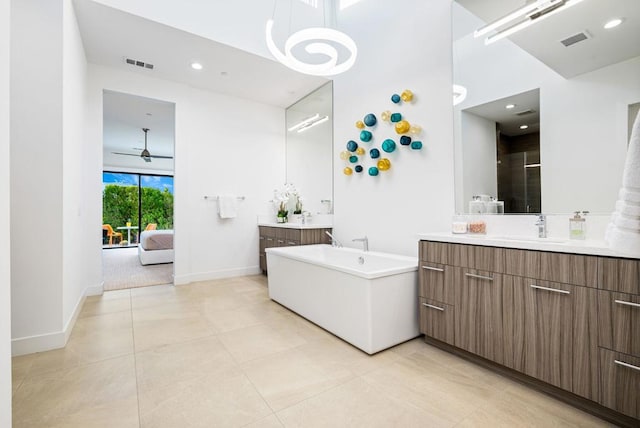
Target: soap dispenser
577 226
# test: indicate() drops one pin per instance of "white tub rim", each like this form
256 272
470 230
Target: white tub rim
293 252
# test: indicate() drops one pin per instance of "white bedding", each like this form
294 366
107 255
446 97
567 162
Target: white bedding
156 246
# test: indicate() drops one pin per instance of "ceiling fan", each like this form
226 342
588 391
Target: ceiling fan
145 153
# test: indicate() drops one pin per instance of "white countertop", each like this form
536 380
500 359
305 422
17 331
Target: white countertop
311 225
588 247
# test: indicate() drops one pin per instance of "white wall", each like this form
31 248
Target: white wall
5 248
416 194
79 228
223 145
479 157
36 170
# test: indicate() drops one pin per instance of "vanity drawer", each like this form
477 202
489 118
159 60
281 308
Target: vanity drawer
436 252
436 282
524 263
619 322
569 269
478 257
620 382
622 275
437 320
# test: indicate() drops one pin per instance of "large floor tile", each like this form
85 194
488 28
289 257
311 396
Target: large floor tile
259 341
168 365
445 393
270 421
522 406
93 339
20 367
50 398
356 404
215 400
288 377
105 304
149 334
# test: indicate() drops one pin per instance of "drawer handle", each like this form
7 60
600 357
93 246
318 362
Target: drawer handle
433 307
262 238
292 243
433 268
555 290
622 363
622 302
473 275
269 239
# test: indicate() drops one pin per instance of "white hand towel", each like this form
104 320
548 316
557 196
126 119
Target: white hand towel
631 175
227 206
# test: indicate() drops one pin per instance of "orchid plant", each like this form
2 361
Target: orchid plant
282 198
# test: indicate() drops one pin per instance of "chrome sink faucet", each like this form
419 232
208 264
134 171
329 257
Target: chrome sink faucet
542 226
365 242
334 241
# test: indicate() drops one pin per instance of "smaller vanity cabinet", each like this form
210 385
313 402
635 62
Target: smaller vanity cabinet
274 236
619 334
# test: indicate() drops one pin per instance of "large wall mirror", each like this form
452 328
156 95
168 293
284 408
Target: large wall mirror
545 122
309 162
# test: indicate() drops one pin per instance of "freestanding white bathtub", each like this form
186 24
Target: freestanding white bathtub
368 299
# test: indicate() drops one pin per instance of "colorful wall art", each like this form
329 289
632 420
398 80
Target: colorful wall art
368 151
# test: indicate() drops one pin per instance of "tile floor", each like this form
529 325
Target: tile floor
220 353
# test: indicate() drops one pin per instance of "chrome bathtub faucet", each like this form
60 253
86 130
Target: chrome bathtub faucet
542 226
365 242
334 241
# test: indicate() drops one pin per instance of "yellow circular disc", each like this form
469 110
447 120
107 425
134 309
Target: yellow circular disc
384 164
415 129
406 96
402 127
385 115
347 171
360 124
344 155
360 150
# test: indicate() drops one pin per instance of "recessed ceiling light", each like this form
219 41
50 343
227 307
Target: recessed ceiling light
149 114
509 106
524 126
613 23
224 73
196 66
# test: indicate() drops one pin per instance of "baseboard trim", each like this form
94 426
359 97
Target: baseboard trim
576 401
55 340
219 274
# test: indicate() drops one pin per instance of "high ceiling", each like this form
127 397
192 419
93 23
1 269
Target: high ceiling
110 35
542 40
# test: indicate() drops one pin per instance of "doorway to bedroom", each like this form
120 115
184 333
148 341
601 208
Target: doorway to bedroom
137 191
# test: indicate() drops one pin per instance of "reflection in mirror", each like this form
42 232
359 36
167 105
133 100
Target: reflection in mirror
309 153
587 90
502 152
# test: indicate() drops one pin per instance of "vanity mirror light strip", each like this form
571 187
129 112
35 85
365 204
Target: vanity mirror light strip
555 290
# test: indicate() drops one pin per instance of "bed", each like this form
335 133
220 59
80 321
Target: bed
156 246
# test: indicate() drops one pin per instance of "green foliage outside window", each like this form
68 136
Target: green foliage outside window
120 204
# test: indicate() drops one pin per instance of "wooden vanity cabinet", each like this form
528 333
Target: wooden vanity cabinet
478 321
568 320
619 334
272 236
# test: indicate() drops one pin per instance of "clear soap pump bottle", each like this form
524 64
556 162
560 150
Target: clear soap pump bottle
578 226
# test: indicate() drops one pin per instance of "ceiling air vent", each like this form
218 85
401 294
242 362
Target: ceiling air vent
138 63
576 38
525 112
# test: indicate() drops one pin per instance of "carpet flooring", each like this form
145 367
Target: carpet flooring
122 269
